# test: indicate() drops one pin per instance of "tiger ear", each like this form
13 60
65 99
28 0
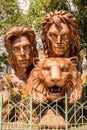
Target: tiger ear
36 60
74 60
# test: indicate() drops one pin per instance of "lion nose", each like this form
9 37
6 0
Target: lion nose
55 74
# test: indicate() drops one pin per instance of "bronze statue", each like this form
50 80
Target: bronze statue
20 44
60 38
60 35
53 77
49 81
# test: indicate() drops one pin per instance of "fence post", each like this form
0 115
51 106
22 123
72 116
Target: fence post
30 112
66 110
0 111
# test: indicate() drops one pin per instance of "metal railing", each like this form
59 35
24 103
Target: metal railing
26 115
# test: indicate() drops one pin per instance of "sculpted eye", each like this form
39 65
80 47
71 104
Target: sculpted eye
27 48
46 68
65 69
53 36
74 68
65 36
16 49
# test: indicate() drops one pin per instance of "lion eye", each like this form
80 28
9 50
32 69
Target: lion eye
65 69
74 68
46 68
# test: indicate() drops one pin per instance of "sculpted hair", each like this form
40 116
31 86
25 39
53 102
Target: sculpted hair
16 32
56 18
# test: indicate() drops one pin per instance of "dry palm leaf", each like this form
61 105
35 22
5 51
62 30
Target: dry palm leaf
34 113
15 91
24 90
1 85
82 53
84 77
8 80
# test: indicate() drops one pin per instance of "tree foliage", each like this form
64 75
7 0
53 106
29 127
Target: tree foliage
3 60
81 15
39 8
10 15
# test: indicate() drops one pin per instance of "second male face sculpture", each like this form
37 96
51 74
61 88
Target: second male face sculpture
59 40
60 35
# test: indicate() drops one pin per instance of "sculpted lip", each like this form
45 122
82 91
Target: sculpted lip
58 48
24 61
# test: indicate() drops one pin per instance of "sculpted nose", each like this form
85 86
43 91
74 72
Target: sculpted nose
22 51
58 39
55 74
22 54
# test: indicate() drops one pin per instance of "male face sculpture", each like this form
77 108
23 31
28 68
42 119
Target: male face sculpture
20 44
60 35
23 52
59 40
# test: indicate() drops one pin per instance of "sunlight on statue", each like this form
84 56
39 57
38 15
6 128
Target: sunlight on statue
53 77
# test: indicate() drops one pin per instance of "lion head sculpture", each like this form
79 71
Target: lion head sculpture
53 77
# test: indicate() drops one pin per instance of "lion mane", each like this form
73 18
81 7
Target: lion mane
52 78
